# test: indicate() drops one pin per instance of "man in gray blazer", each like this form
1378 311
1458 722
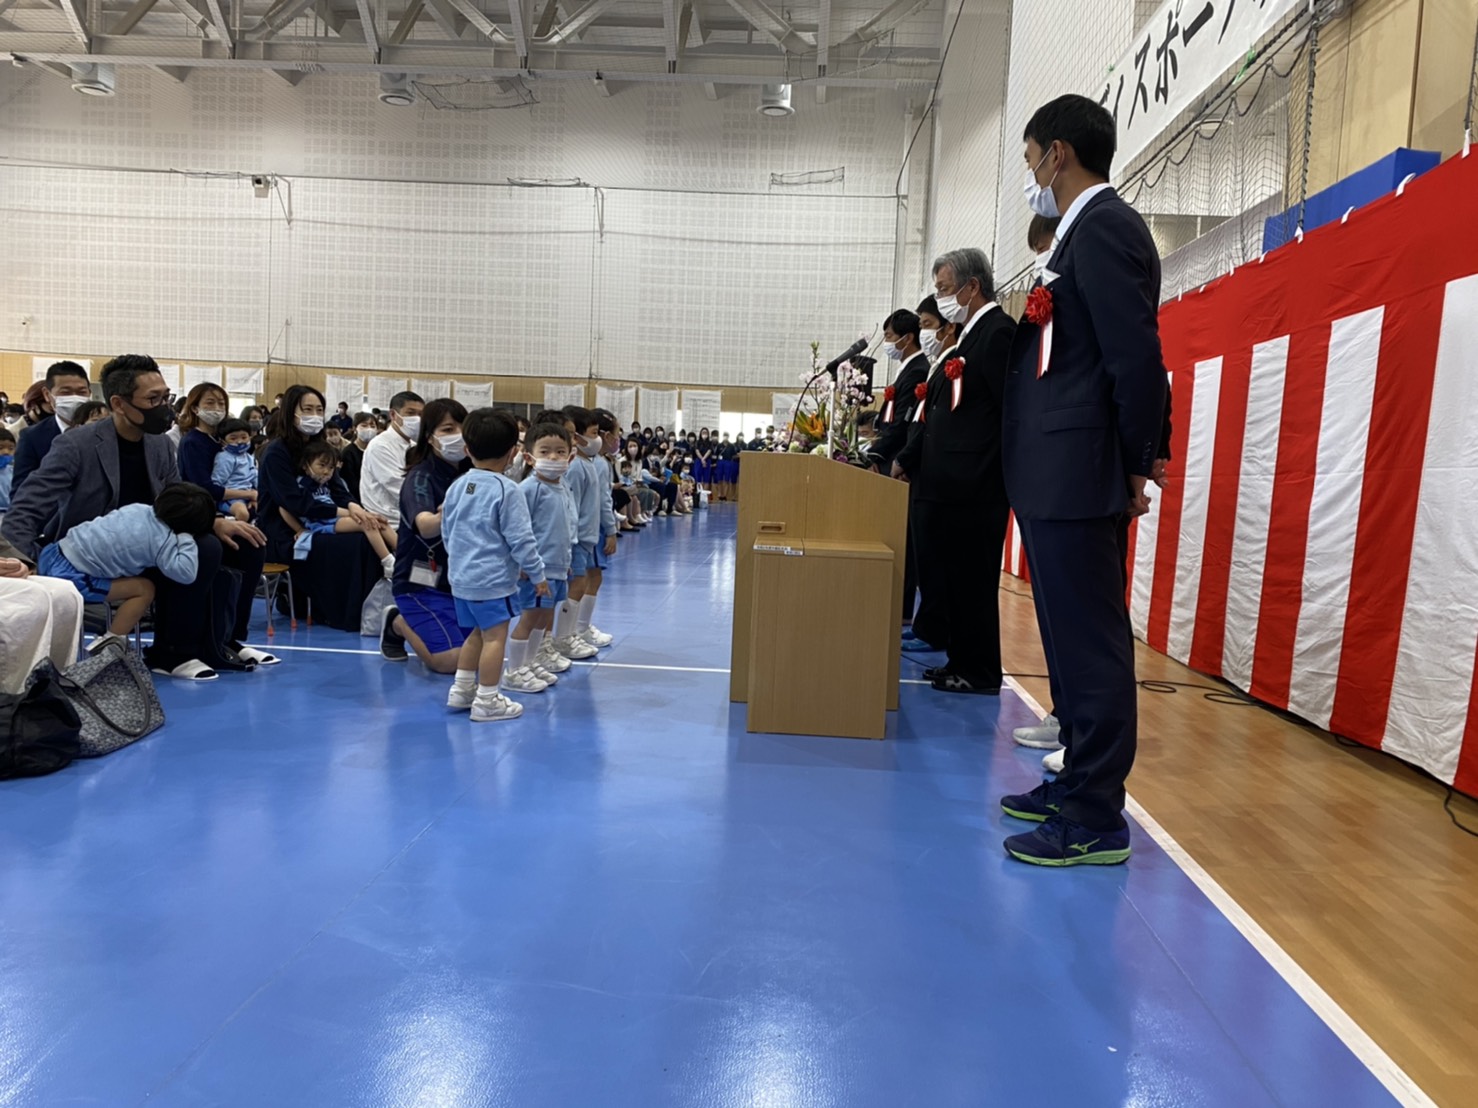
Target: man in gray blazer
92 470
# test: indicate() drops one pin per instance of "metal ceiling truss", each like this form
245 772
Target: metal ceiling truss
534 40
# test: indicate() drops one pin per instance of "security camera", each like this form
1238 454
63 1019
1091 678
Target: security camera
262 186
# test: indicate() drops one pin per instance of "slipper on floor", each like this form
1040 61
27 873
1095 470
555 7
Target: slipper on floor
261 657
953 682
193 670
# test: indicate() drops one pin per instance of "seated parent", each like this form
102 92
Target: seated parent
351 458
65 389
126 460
204 411
40 619
424 614
383 470
340 569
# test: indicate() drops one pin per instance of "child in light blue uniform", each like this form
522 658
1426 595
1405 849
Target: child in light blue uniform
235 470
556 522
320 465
105 558
7 472
590 484
489 538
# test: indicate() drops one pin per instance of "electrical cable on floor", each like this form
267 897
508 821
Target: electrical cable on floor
1459 824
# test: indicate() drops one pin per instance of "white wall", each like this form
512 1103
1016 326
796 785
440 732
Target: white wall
403 253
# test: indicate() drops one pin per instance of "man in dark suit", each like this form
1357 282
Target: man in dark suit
127 460
67 389
1085 400
959 495
901 336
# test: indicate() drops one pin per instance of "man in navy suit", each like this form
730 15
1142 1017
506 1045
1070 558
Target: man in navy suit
67 389
1085 400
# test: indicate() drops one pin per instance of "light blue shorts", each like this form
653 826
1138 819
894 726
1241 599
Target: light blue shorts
484 615
529 599
585 557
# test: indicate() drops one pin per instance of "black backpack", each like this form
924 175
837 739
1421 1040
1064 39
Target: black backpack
39 731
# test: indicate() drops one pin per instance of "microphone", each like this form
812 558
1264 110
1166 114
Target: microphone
856 348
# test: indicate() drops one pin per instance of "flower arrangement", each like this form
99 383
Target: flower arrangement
833 418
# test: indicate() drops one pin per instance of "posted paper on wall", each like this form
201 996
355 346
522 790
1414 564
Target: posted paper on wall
431 388
701 409
245 381
379 390
474 394
659 408
561 396
39 366
619 400
342 390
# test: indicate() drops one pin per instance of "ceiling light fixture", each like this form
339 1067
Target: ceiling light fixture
775 101
93 80
396 91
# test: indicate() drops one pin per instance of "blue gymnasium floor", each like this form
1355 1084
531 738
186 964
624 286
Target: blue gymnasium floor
315 887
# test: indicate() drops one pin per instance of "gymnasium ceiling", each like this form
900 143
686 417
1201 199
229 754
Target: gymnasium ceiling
818 43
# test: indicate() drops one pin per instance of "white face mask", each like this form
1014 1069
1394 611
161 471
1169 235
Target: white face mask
1039 198
209 416
892 351
66 406
951 308
310 425
410 427
551 469
366 433
451 447
591 448
932 346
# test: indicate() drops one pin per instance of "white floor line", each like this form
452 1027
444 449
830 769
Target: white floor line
1381 1065
270 647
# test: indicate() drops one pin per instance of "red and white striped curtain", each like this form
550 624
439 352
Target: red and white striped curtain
1318 543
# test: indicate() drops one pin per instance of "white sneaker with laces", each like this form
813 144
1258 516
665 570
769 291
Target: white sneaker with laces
551 659
543 674
575 648
461 698
523 680
495 707
1042 736
1052 763
596 637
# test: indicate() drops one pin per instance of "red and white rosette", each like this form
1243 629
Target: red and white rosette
954 369
888 394
1039 311
921 392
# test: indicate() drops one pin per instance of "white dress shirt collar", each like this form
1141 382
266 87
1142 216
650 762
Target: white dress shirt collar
976 318
1075 209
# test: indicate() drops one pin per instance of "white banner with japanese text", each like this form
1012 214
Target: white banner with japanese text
1179 54
562 396
619 400
658 408
701 409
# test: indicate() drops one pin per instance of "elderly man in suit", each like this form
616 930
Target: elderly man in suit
127 460
959 504
1085 402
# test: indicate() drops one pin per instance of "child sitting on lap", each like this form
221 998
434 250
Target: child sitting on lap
555 521
320 465
489 538
105 558
235 469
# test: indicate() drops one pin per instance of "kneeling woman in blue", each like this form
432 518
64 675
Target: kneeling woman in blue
425 616
340 569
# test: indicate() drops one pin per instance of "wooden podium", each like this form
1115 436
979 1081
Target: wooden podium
818 595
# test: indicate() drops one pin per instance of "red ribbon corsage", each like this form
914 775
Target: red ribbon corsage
920 391
1039 306
954 369
888 394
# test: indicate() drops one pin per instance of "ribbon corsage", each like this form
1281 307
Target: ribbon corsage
954 369
888 394
1039 311
920 392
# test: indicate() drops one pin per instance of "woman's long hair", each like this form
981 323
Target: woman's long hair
432 417
286 419
189 421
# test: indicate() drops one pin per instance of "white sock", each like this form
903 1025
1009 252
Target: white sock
465 678
388 563
518 655
564 620
587 608
487 692
536 642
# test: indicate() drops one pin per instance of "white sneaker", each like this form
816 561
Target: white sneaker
104 639
523 680
551 659
494 708
596 637
543 674
460 699
575 648
1042 736
1053 762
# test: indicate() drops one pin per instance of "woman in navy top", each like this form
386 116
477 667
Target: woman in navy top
205 407
425 616
340 569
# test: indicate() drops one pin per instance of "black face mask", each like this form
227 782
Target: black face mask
157 419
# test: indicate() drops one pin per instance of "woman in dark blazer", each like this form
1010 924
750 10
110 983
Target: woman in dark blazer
340 569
